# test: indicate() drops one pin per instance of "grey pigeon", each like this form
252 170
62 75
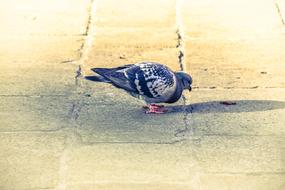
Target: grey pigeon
154 82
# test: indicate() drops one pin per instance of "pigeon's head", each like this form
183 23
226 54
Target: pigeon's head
185 79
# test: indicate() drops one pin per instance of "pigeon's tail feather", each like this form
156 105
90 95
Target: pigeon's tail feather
102 75
104 71
97 79
101 71
116 77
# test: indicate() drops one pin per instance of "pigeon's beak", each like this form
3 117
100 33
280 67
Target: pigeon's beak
190 89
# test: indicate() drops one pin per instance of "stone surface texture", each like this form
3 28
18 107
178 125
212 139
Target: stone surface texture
61 132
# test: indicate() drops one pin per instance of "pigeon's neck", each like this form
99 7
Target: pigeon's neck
177 94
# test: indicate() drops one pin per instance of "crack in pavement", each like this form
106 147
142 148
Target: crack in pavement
84 50
84 143
89 32
74 137
39 188
247 173
90 18
35 131
78 139
34 96
279 13
188 128
75 110
79 103
78 76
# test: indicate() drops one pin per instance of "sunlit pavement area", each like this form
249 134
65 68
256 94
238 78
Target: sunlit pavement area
61 132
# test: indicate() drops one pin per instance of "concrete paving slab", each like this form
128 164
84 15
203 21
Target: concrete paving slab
31 55
37 79
135 13
37 89
112 57
208 182
223 19
183 165
119 40
114 47
135 37
242 51
130 164
240 154
258 112
35 113
32 17
236 63
30 161
42 48
242 182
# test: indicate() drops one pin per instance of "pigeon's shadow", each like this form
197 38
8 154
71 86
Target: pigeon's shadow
233 106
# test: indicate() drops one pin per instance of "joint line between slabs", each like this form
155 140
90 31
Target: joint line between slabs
181 60
84 51
279 13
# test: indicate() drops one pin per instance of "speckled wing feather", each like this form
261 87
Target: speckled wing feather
152 80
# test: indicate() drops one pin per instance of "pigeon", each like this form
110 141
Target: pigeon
153 82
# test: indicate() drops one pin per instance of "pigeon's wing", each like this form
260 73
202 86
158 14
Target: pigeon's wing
152 80
118 77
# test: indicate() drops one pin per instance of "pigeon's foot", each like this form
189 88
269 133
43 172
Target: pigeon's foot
155 109
148 106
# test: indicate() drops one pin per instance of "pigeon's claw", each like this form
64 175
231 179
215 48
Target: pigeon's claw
156 109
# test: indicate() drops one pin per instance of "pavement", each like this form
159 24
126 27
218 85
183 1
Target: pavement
61 132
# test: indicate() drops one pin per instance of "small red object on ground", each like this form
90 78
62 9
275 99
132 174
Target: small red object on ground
228 103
